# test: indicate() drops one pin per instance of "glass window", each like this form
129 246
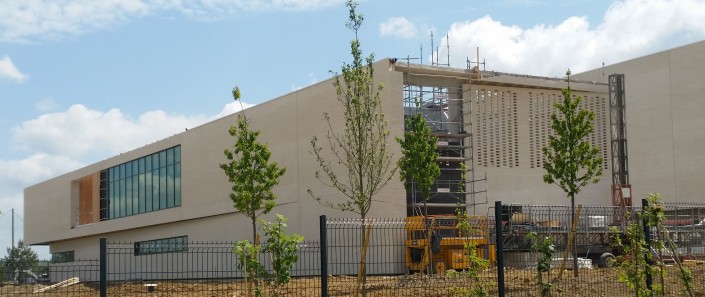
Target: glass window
177 184
155 189
128 195
155 161
162 159
148 191
140 167
170 156
160 246
170 186
111 200
162 188
142 185
177 154
148 163
62 257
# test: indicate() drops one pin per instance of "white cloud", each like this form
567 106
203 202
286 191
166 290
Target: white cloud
45 105
84 134
64 141
630 28
313 80
9 71
232 108
15 176
32 169
398 27
27 20
80 131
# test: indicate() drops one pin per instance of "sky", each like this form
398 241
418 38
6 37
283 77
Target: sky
83 80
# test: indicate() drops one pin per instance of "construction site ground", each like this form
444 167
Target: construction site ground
520 282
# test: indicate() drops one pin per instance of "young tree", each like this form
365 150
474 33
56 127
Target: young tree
418 165
571 162
284 249
19 259
250 171
362 147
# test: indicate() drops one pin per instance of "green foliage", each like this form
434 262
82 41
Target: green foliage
476 263
248 253
2 272
283 248
20 258
250 171
362 147
631 262
418 165
363 163
635 254
654 216
544 246
571 162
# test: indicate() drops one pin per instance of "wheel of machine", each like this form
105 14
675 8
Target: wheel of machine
439 267
606 260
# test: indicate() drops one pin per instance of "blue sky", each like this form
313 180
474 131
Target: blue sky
83 80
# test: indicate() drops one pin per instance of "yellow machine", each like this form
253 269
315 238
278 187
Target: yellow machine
437 240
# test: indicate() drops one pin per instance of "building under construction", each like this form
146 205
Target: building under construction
491 128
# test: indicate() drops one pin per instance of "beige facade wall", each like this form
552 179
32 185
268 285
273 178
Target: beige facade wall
287 123
509 119
509 134
665 107
665 125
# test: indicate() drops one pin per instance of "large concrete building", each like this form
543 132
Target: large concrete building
494 123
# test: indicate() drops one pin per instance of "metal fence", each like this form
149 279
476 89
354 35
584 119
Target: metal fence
412 256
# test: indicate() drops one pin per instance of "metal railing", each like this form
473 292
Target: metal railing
413 256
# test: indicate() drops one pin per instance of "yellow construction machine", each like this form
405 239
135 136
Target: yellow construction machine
438 241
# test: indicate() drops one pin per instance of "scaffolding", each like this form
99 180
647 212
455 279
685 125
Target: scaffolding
443 109
621 189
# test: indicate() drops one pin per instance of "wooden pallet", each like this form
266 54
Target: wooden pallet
68 282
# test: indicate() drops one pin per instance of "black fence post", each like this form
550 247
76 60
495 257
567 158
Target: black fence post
647 240
499 247
103 267
324 256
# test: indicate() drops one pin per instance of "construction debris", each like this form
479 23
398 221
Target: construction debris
61 284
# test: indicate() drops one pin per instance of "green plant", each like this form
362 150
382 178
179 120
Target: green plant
284 250
544 246
571 161
19 259
250 171
476 263
654 216
418 164
249 263
636 258
2 273
362 147
631 261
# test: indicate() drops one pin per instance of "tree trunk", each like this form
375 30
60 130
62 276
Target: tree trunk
574 245
254 232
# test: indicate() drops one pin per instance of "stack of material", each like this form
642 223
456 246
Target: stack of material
61 284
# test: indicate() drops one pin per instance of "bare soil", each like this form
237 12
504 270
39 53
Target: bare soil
520 282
